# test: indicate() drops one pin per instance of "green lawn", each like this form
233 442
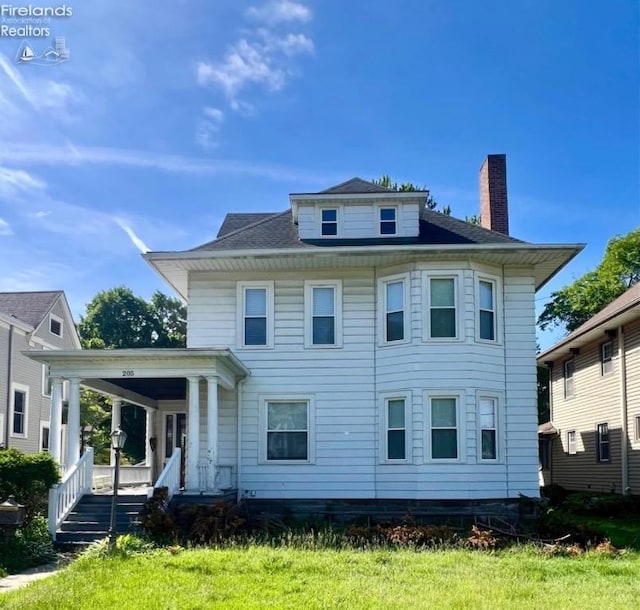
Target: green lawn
264 577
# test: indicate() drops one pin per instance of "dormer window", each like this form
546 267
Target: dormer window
330 221
388 225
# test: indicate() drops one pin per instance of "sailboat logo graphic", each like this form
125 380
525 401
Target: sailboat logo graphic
26 54
55 54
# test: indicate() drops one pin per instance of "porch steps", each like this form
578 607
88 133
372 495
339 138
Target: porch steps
89 520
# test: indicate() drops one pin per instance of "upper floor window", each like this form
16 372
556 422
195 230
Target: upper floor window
388 221
606 358
603 443
55 325
329 221
442 308
323 313
568 378
488 428
572 442
444 427
256 320
487 310
394 322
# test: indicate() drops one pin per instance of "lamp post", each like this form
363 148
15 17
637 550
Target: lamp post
118 439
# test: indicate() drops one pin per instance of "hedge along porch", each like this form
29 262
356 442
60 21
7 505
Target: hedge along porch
179 385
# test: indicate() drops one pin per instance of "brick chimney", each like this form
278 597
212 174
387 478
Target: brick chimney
494 208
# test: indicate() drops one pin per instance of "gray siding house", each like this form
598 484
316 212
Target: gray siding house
30 321
593 439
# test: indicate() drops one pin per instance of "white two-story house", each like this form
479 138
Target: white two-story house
355 346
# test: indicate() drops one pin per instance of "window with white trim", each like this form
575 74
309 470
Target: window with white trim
442 308
572 442
46 380
44 436
488 428
256 314
603 445
396 428
388 221
19 407
487 310
323 313
287 430
394 324
2 430
329 221
568 369
443 418
606 358
55 325
637 428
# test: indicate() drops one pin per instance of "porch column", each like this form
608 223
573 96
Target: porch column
73 423
212 430
193 435
116 419
55 420
150 421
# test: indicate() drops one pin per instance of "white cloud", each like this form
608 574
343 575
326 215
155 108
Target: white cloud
207 128
137 242
215 114
17 183
278 11
5 228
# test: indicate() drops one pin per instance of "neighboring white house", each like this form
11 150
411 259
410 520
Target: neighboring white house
30 320
355 346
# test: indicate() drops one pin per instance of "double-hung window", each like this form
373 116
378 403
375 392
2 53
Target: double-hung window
442 308
488 428
603 443
329 221
323 313
394 322
606 358
487 310
44 436
19 410
256 313
444 427
396 441
388 221
569 389
572 442
287 430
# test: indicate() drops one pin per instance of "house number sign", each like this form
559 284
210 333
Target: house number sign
128 373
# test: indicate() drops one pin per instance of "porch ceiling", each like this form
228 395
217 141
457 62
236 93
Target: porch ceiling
156 388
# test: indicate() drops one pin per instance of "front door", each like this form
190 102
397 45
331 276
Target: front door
175 435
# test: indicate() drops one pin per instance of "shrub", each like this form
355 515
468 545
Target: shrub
556 494
28 478
600 504
31 546
555 525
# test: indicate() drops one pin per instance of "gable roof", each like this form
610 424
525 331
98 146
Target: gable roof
619 311
354 186
28 307
234 221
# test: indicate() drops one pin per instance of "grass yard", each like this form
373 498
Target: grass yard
265 577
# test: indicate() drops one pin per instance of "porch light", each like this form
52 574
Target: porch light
118 439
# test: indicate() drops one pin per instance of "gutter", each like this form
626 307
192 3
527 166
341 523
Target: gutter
9 374
624 431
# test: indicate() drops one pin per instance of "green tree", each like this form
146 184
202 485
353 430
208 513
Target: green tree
574 304
408 187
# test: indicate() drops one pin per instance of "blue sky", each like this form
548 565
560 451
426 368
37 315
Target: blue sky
168 114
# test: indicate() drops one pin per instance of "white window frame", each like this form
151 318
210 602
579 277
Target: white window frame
46 383
379 221
606 364
337 222
2 429
498 423
18 387
426 282
263 401
497 310
600 442
384 429
636 422
569 388
269 287
309 286
44 425
405 278
459 397
58 319
572 442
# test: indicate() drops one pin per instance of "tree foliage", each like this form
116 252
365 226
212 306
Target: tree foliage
574 304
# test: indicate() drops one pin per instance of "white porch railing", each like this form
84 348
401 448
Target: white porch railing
170 475
128 476
77 481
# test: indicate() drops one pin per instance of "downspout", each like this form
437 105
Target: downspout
507 394
549 364
239 490
9 374
624 432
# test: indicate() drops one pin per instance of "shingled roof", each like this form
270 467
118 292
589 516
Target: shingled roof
353 187
28 307
277 231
